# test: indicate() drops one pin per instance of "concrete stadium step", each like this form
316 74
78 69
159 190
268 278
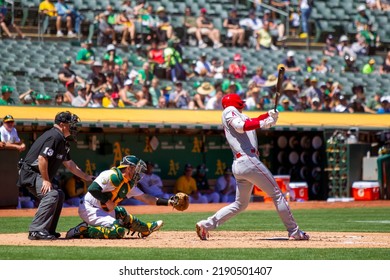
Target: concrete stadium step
29 29
298 43
52 37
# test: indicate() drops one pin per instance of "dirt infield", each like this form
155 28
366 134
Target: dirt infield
218 239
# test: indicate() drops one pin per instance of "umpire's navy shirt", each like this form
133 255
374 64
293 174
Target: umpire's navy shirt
51 145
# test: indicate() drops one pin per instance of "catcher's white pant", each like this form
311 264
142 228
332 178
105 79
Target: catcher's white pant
249 171
95 216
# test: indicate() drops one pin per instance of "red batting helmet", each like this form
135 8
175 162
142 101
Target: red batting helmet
234 100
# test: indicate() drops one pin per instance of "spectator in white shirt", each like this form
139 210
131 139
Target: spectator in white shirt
203 67
180 98
217 69
215 102
9 135
252 22
82 100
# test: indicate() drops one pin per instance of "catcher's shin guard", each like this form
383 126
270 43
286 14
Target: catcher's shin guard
116 231
121 213
143 229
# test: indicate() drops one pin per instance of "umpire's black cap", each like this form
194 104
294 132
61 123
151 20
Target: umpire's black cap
63 117
66 117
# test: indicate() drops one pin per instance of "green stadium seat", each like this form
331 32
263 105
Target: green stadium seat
315 15
22 86
37 87
333 3
180 6
200 2
349 7
384 35
382 20
319 5
323 28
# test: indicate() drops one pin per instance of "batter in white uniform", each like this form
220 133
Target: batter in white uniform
240 132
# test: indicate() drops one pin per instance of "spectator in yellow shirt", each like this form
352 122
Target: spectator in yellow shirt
264 38
48 8
187 184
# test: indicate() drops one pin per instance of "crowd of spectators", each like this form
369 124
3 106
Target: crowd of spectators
111 83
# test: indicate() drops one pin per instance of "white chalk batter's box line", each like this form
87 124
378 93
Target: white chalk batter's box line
374 222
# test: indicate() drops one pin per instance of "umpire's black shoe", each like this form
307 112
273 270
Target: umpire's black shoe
39 235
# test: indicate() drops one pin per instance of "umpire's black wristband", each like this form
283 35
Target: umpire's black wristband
162 202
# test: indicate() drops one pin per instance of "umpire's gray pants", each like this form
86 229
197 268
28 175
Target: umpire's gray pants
49 209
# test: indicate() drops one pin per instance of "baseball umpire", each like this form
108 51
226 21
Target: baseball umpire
40 166
104 219
240 132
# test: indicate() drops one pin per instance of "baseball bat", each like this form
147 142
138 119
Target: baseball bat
279 86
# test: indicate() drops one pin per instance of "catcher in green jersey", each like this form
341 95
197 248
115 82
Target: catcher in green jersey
101 216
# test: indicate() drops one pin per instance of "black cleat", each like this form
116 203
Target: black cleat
39 235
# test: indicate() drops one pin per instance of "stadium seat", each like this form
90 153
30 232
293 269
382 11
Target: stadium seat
319 6
323 28
349 7
37 86
333 3
180 6
341 15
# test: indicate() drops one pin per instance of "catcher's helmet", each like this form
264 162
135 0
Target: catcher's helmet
140 166
128 160
234 100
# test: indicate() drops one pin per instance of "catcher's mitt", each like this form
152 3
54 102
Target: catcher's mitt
180 201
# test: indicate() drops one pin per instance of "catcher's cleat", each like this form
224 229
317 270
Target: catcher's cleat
202 232
300 235
153 226
78 231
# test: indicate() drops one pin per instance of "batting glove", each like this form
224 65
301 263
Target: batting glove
267 123
274 114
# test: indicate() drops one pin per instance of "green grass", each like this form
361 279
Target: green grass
340 220
103 253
